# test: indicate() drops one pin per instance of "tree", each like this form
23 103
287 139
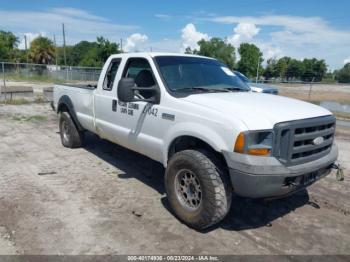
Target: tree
313 70
19 56
106 48
294 69
271 69
188 50
8 42
87 53
343 75
251 59
78 53
216 48
281 67
320 69
42 50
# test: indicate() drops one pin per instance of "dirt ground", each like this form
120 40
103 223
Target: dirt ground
319 92
103 199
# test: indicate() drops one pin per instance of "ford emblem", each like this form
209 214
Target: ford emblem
318 140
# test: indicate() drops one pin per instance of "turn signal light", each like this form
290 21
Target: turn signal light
259 151
239 145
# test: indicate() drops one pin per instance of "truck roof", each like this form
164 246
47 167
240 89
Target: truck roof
154 54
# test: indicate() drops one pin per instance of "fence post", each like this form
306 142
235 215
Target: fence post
309 97
4 83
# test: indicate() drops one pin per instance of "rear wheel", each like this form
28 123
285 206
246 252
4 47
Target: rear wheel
70 135
198 188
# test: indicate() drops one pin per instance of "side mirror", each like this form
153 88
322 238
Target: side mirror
127 88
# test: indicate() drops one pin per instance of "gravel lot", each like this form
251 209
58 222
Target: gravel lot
103 199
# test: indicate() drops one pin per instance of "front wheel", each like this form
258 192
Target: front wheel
198 188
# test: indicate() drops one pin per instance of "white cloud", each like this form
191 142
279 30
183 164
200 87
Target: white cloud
294 29
30 38
243 32
134 42
78 13
79 24
246 30
298 36
347 60
163 16
164 45
190 36
294 23
269 50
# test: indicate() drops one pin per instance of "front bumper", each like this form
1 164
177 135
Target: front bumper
260 177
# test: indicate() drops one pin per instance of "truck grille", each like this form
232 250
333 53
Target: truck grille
302 141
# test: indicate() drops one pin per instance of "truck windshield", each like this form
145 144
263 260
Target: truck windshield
185 73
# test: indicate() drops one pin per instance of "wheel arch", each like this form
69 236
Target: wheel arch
184 142
65 104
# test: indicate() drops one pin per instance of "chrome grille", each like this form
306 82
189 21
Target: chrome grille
302 141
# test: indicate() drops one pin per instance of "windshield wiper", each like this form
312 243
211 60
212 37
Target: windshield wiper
203 89
233 88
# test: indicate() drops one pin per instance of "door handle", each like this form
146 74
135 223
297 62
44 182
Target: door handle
114 105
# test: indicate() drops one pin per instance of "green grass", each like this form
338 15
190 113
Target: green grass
33 118
20 101
36 78
38 99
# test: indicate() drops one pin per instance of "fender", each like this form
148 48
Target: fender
67 102
196 130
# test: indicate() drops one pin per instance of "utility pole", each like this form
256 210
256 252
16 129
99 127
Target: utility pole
64 45
121 45
25 42
257 71
3 75
26 46
54 41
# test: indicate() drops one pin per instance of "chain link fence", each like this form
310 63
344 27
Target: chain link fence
48 73
17 77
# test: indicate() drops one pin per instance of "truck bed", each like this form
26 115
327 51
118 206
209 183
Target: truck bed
83 86
81 96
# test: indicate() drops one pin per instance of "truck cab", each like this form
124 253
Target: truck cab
213 136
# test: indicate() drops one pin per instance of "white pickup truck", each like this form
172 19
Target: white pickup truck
213 135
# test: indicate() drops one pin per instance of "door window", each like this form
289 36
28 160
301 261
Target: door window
140 70
111 74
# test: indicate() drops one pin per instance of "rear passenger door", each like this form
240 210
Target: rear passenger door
105 103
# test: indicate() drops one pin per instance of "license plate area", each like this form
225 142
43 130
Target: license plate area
310 178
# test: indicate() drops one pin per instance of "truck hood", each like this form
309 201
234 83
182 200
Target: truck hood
257 110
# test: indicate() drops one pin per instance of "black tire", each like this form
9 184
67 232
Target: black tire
214 191
71 137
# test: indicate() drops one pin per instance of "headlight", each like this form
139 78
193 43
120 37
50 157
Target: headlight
257 89
258 143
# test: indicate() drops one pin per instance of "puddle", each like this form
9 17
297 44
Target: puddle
335 106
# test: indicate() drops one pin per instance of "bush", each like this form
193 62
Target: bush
343 75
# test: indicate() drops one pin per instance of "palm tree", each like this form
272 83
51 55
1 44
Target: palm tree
42 50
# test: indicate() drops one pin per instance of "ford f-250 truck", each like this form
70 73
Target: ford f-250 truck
197 118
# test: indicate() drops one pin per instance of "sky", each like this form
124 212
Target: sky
300 29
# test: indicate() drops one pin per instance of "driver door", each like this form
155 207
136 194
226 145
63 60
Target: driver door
136 118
